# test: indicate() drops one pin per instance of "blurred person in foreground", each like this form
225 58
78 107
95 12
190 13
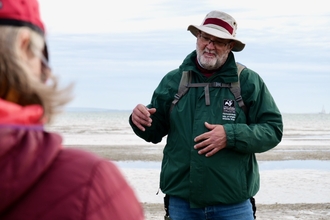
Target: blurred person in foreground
38 178
209 168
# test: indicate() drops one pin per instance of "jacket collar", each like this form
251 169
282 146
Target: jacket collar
227 73
11 113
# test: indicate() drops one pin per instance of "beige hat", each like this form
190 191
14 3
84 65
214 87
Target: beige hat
221 25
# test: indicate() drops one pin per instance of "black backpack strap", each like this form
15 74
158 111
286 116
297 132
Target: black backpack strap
254 208
236 88
166 205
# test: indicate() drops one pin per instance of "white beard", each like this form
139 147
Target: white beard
210 63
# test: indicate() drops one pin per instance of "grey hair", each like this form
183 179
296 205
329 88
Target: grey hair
15 75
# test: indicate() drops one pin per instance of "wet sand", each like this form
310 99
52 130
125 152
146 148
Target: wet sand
153 211
154 152
264 212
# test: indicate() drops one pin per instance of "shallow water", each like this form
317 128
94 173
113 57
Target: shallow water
295 164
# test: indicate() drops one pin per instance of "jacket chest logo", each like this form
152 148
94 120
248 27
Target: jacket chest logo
228 112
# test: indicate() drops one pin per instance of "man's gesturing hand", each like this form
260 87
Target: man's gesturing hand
212 141
141 116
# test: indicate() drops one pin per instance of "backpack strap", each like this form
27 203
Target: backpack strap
183 87
166 206
236 88
207 88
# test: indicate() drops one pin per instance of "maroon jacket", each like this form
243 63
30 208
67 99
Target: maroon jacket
40 180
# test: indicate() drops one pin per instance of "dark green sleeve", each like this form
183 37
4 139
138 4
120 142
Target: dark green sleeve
264 129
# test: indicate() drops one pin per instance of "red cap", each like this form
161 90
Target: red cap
21 13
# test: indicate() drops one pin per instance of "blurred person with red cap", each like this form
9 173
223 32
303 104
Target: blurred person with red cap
39 179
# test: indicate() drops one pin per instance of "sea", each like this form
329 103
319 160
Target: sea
111 127
90 124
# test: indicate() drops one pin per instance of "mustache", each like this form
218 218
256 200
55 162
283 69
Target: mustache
210 51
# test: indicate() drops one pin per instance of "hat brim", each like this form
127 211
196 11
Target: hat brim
238 46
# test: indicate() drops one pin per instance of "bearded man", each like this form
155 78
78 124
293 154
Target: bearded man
209 169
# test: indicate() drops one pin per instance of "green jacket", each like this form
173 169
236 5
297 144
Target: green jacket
232 174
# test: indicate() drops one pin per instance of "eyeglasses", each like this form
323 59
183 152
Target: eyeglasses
216 43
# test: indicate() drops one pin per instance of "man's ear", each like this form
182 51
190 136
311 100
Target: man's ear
232 44
24 44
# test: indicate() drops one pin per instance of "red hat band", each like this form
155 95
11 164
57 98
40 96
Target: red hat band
219 22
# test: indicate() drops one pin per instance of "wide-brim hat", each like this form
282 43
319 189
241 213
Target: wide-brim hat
21 13
220 25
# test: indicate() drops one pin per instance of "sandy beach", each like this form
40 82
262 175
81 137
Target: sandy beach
284 194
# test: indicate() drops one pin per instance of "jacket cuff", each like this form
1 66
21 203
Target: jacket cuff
230 135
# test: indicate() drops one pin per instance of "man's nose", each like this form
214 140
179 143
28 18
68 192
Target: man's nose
211 45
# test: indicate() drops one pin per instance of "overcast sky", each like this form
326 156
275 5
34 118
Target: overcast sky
116 52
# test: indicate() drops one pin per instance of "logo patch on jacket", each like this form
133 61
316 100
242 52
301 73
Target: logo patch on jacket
228 113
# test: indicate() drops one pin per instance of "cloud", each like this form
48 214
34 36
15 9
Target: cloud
117 53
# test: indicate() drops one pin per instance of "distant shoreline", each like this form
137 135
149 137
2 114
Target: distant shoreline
87 109
93 110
